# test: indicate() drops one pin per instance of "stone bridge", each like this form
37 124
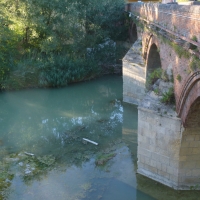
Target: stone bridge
167 37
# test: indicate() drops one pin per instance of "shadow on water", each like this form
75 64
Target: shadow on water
115 190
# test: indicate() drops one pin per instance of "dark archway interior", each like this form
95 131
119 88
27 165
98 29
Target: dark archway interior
133 33
193 117
153 61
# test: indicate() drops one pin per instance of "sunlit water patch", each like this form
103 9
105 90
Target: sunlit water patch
43 154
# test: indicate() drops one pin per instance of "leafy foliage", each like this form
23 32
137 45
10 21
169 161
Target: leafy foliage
178 77
59 70
168 97
194 38
153 77
194 63
103 158
40 39
180 51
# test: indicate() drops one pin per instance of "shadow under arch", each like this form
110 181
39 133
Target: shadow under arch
133 36
153 60
193 118
189 147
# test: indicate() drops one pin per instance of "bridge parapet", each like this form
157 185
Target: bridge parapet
182 20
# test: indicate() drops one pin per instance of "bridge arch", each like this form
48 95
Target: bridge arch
153 59
193 118
133 34
189 97
189 147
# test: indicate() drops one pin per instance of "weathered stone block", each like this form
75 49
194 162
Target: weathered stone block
133 75
186 151
190 138
187 165
164 160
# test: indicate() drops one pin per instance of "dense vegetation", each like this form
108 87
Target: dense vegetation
50 43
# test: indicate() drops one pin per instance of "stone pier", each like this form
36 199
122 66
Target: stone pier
167 152
134 74
159 141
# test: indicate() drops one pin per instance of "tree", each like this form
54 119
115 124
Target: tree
39 34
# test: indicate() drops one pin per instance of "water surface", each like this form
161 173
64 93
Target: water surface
43 155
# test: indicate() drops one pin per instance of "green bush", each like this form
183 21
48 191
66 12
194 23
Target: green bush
59 70
23 74
157 91
194 63
192 46
45 42
180 51
168 97
178 77
153 77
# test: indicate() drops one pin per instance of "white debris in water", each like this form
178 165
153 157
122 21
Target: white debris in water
56 133
87 140
28 169
62 141
29 154
21 164
7 181
44 121
77 120
93 112
44 138
121 109
64 124
117 116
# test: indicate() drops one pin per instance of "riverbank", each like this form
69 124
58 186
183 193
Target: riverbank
58 70
26 80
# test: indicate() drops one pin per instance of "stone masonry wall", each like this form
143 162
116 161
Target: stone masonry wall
189 160
170 17
170 61
167 152
133 75
181 19
159 140
170 155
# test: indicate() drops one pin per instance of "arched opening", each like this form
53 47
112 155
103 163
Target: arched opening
133 33
189 150
153 61
193 117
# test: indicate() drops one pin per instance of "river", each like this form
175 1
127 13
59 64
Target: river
43 154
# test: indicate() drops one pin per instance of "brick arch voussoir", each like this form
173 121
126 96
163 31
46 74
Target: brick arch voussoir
153 40
133 26
192 119
150 40
190 93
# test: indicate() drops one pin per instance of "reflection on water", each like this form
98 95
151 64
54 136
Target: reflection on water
43 156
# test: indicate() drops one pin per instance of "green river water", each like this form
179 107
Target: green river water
43 155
